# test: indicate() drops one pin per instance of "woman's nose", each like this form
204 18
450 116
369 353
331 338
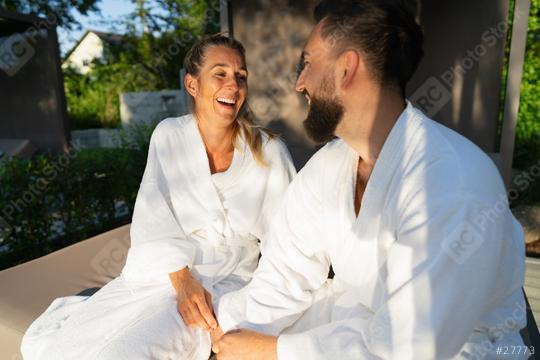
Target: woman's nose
232 84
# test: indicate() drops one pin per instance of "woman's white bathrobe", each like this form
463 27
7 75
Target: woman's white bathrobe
431 268
184 216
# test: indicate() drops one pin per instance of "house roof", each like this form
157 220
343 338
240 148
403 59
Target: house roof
11 21
113 39
108 37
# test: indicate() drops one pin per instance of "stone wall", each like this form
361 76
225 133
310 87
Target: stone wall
149 107
274 33
458 83
459 80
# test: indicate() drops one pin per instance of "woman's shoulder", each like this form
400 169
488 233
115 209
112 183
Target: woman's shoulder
172 123
275 150
270 141
273 144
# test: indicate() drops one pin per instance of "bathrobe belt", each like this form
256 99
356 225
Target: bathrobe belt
210 237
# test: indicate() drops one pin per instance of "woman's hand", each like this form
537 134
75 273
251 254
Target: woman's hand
194 302
216 334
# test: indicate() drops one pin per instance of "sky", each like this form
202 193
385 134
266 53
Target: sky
111 12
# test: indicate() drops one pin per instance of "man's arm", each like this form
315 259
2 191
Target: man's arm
293 264
443 276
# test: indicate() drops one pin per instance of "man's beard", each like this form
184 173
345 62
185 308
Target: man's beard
324 115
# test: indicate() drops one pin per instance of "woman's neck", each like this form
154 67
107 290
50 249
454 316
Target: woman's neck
217 139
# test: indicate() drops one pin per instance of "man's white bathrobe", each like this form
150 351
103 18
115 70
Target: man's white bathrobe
432 266
184 216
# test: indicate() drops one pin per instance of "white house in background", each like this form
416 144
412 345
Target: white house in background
92 45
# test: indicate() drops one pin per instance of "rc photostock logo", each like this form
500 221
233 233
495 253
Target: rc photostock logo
465 239
434 93
431 96
463 242
15 52
110 260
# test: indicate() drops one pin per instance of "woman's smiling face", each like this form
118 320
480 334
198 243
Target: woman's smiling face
220 88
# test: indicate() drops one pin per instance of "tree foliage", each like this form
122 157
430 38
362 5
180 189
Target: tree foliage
527 145
527 150
63 10
160 32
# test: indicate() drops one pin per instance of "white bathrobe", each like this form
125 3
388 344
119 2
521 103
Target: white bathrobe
432 268
184 216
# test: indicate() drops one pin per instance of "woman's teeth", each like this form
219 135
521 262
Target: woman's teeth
227 101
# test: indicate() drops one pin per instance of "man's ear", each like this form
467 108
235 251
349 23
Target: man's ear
349 62
191 84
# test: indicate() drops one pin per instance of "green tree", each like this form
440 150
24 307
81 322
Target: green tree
527 150
63 10
527 144
160 32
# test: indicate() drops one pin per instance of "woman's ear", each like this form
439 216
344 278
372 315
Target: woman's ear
191 84
349 63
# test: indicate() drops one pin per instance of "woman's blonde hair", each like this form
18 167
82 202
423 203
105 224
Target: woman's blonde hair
245 124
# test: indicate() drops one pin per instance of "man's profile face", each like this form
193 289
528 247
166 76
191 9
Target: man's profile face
316 82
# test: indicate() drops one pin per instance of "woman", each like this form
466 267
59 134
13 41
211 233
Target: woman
211 183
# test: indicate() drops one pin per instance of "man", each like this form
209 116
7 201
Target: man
413 218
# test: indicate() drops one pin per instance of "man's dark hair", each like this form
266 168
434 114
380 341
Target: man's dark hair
384 31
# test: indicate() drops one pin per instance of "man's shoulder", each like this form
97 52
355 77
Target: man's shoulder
449 161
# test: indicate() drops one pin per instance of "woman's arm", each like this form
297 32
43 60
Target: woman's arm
159 245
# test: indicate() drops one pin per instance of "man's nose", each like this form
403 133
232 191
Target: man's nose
299 86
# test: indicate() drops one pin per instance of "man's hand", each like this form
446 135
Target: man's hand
194 302
246 345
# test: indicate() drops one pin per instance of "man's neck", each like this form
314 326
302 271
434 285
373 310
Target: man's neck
367 122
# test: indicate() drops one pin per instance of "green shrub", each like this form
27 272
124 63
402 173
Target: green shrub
527 144
527 149
51 201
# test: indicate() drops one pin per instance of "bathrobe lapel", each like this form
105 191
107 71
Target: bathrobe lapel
360 260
